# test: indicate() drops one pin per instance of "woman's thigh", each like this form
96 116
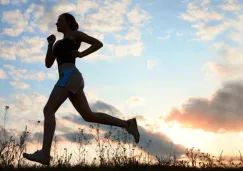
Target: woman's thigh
80 103
56 98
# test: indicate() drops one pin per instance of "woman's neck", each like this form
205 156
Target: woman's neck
66 34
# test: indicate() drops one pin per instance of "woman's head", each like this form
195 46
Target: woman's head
65 21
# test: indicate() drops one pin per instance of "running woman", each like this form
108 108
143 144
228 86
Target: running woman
71 84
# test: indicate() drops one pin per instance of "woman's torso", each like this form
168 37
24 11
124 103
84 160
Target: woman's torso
63 50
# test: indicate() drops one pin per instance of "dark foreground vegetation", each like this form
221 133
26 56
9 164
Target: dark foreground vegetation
114 151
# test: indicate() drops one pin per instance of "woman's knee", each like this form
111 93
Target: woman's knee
89 117
48 111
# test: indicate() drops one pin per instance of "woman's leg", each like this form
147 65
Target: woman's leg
57 97
80 103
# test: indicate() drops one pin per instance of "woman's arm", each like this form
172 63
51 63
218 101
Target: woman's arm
50 56
95 43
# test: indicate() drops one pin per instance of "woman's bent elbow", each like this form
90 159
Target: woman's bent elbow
99 44
48 65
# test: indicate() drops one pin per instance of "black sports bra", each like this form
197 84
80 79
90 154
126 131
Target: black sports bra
63 51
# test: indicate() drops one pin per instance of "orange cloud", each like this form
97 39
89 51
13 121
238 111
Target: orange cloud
222 113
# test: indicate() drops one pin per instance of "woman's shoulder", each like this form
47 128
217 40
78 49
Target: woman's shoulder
73 34
73 37
56 43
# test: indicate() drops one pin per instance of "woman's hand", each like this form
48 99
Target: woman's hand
76 53
51 39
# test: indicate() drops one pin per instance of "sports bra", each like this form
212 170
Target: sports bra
63 51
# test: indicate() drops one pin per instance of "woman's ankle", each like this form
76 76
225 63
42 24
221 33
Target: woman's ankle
46 154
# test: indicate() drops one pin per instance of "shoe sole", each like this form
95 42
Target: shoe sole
27 157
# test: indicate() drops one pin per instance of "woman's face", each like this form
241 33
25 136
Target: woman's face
61 24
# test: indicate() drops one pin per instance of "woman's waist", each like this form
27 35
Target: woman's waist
67 67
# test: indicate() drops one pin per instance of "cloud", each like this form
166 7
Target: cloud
98 56
98 20
208 33
35 11
218 45
134 49
28 49
8 133
24 74
140 118
100 106
219 69
229 65
133 34
52 74
229 51
36 137
83 6
31 137
18 22
97 23
97 106
63 130
167 35
157 144
221 112
46 15
137 16
63 125
210 22
15 133
236 36
231 6
161 145
5 2
20 85
151 63
43 17
196 12
67 126
74 136
103 21
205 2
22 106
76 120
20 74
2 74
8 50
18 1
135 100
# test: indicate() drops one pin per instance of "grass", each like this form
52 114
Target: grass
114 151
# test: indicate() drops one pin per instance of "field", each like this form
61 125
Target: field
114 151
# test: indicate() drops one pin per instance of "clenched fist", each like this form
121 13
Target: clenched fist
51 39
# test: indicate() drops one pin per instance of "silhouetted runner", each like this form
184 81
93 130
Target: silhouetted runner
71 84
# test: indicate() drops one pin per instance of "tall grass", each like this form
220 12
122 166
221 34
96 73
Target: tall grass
114 149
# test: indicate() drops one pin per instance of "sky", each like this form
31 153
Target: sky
174 65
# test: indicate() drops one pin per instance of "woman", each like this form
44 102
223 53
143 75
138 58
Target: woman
71 84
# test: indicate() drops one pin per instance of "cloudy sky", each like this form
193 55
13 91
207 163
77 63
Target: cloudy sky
175 65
